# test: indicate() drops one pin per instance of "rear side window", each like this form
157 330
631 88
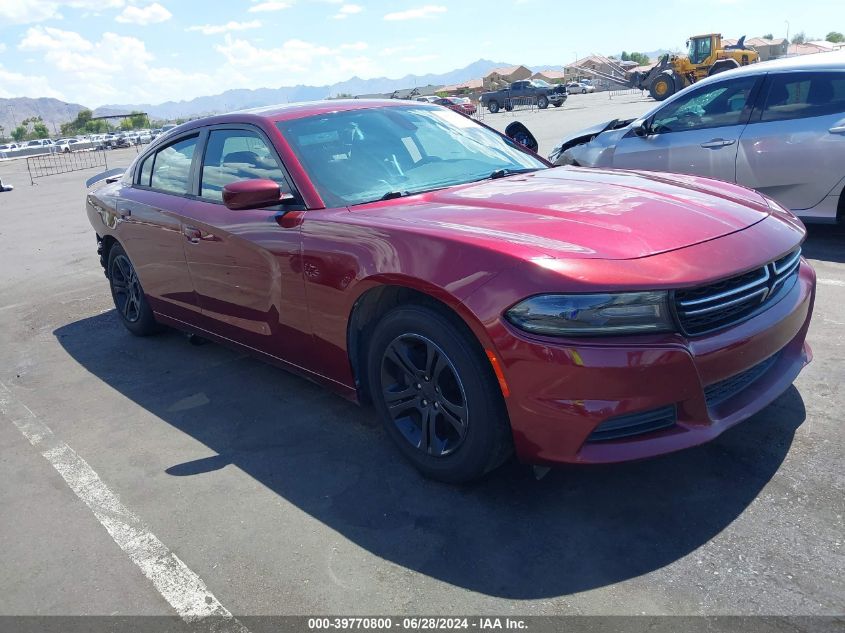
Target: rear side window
233 155
171 169
804 95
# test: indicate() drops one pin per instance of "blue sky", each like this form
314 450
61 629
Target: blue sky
134 51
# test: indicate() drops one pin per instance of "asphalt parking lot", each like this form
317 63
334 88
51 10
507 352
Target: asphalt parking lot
283 499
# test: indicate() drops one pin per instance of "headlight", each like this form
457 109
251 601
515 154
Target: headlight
593 314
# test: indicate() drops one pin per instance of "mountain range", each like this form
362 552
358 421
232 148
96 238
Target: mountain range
55 112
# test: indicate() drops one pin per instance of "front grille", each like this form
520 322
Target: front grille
728 301
634 424
719 392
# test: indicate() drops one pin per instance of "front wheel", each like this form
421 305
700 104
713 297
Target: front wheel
663 87
493 106
583 91
542 103
437 396
128 296
558 104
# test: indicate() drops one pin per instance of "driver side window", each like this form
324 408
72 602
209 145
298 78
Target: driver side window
719 104
233 155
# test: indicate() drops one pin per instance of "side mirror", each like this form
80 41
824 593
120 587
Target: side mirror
519 133
642 130
254 194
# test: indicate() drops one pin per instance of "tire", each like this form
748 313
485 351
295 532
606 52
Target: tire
493 106
133 310
583 91
662 87
558 104
459 400
542 102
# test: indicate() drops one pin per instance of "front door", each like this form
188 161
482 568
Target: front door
244 264
697 133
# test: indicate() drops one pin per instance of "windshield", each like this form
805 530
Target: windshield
360 156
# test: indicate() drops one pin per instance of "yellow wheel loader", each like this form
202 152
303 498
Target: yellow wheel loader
705 57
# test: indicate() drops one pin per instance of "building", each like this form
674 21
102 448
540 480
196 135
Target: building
550 76
472 86
502 77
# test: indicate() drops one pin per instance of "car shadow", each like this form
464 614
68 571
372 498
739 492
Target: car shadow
509 535
825 242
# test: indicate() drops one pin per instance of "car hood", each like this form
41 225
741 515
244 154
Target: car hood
574 212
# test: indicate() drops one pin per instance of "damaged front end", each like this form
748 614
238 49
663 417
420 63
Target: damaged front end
592 147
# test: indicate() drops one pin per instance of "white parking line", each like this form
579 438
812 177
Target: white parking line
181 587
830 282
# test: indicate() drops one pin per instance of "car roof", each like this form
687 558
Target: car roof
833 60
291 111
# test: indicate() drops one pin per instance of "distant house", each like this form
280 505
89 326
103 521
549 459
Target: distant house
501 77
551 76
809 48
472 86
598 69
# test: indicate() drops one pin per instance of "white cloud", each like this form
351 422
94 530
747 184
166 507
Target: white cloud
346 10
151 14
355 46
14 84
269 6
214 29
48 38
426 11
29 11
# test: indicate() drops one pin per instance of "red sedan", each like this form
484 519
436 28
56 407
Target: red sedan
458 104
485 303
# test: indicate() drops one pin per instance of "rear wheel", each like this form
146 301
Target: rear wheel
437 396
662 87
493 106
129 299
583 91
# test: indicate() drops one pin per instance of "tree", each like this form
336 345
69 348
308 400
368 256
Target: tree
641 58
768 36
39 130
134 121
835 36
19 133
799 38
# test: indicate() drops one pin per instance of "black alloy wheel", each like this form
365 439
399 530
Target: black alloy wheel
128 295
424 395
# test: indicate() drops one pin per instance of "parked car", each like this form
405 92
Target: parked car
458 104
427 98
529 91
404 254
67 145
776 126
576 87
9 147
145 136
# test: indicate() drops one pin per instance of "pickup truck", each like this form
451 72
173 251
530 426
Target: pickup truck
528 91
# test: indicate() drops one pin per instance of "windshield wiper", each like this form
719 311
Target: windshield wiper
390 195
501 173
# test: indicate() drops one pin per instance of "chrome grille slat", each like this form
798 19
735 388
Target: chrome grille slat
726 304
728 301
764 277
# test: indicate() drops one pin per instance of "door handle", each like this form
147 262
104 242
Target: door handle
717 142
837 129
193 235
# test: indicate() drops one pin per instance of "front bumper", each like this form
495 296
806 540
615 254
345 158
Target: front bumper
561 392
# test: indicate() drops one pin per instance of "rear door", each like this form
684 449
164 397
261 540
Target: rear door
697 133
150 228
793 148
